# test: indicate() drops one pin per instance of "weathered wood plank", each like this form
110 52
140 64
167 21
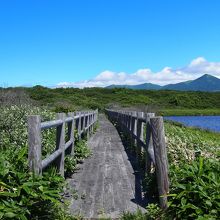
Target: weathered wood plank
34 138
161 162
60 143
50 124
149 143
34 144
70 134
134 128
79 125
107 178
139 134
47 161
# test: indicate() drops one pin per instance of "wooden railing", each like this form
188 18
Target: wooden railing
153 144
83 122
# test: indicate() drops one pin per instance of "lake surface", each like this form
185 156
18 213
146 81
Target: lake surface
205 122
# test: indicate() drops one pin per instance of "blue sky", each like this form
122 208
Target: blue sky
96 42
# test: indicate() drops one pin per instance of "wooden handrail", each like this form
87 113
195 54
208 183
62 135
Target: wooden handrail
83 122
153 144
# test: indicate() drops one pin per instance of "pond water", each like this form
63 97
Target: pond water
205 122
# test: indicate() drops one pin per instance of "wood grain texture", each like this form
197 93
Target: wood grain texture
134 127
60 143
140 130
79 125
84 121
62 147
150 159
70 134
161 162
34 144
105 181
50 124
156 155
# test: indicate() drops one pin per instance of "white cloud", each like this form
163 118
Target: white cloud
105 76
167 75
198 62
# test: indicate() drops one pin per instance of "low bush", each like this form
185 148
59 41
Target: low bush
22 194
195 190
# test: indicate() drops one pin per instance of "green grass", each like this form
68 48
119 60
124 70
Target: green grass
187 112
183 142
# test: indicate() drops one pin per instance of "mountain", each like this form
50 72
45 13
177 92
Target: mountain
146 86
204 83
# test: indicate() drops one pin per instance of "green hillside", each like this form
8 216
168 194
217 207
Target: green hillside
163 102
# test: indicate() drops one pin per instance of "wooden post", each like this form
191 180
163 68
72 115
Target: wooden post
139 134
77 122
88 125
128 121
34 144
79 126
161 162
133 129
71 127
142 126
60 143
92 122
130 130
149 143
84 123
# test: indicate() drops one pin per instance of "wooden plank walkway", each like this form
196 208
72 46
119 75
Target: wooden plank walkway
106 182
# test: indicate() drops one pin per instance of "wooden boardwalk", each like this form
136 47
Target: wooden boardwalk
106 182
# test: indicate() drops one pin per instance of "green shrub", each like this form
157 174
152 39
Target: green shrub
64 106
81 150
23 195
13 124
195 181
195 190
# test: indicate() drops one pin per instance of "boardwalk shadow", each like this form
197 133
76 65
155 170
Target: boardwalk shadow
139 199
